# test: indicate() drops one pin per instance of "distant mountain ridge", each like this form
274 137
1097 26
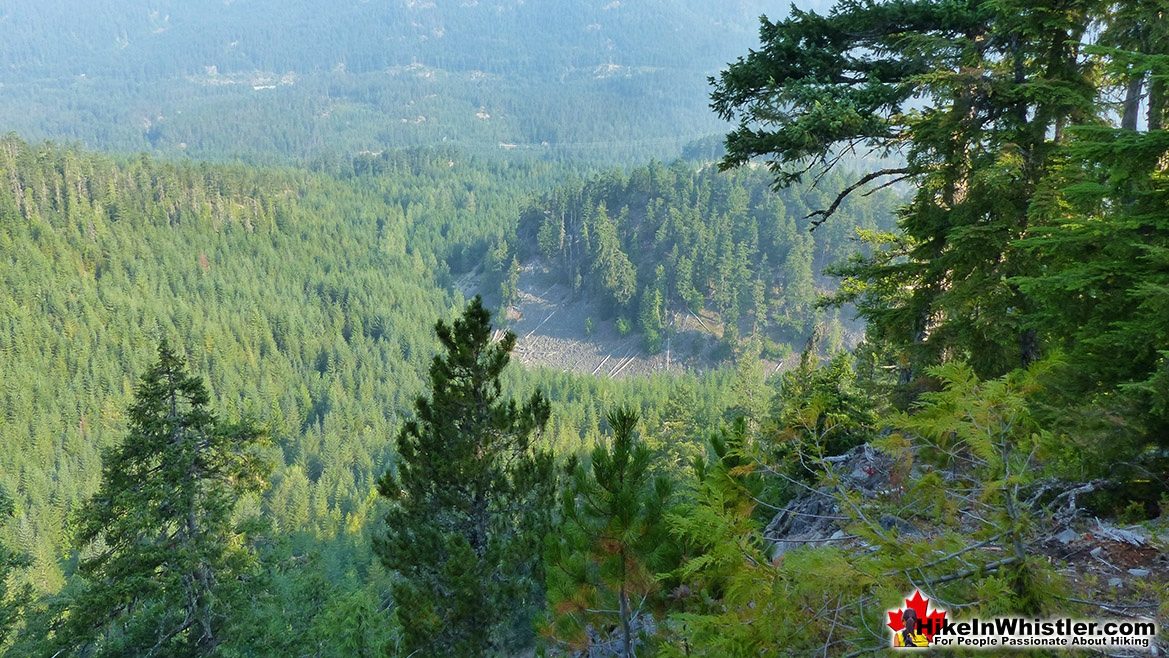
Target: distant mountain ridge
267 80
167 38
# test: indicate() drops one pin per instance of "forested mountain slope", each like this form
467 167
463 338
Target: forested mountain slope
305 299
221 438
101 259
661 241
307 79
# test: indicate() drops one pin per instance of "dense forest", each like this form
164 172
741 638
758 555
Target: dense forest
104 257
662 240
253 410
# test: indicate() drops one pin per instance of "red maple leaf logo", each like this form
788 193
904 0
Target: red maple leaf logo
929 622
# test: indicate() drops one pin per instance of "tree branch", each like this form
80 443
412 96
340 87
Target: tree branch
824 214
987 568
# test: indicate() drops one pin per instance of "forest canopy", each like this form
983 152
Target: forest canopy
252 410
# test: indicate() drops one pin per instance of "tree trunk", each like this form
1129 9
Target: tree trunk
1028 347
1157 104
1132 101
479 522
626 623
626 630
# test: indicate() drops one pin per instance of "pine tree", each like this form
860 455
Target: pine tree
469 499
611 537
161 554
749 390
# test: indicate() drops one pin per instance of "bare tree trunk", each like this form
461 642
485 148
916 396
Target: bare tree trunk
626 630
1157 105
1132 101
626 614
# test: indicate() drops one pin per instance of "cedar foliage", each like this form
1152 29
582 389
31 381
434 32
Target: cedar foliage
973 447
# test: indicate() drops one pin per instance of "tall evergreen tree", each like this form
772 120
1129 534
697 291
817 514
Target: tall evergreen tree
1104 295
469 497
161 554
978 95
615 272
611 536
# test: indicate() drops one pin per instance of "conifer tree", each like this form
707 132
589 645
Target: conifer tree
611 537
161 554
12 596
469 498
1103 296
978 96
